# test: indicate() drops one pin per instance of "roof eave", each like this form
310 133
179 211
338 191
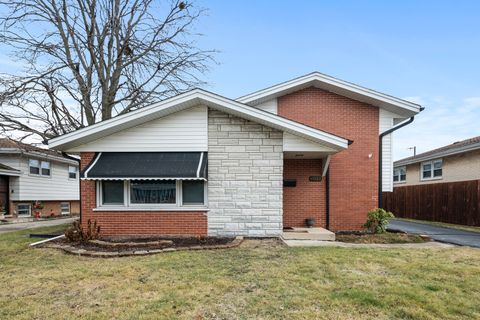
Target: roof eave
184 101
400 106
447 153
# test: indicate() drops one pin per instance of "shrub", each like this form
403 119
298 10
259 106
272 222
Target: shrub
377 220
76 233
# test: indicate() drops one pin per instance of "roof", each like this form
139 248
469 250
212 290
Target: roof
188 100
347 89
147 165
10 146
9 171
448 150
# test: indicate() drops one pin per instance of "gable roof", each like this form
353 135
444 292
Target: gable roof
347 89
9 146
448 150
188 100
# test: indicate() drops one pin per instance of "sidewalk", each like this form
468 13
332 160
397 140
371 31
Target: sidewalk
9 227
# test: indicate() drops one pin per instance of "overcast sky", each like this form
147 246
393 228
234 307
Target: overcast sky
424 51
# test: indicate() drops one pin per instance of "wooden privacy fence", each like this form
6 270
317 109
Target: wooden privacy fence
451 202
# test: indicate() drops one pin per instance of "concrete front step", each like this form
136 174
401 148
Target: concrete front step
308 234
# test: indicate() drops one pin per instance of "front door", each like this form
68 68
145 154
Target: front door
4 195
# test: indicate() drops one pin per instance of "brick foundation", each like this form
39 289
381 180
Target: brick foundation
353 175
50 208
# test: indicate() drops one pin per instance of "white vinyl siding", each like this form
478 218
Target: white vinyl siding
28 187
386 121
181 131
295 143
269 106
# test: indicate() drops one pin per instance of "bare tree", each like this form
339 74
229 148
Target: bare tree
88 60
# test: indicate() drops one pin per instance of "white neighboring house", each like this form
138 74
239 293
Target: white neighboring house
36 181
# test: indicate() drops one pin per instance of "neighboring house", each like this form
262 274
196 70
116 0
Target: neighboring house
33 180
202 164
459 161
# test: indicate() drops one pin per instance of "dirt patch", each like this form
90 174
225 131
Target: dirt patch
385 238
253 243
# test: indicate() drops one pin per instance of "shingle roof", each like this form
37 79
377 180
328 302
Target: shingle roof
456 147
12 144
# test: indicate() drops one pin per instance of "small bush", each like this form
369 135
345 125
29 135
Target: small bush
76 233
377 220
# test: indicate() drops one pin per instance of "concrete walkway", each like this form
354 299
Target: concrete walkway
9 227
442 234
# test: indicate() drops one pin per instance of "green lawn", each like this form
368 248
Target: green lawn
255 282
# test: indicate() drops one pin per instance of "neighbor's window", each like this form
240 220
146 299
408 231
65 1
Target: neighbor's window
72 172
45 168
24 209
65 207
39 167
34 166
150 191
432 169
400 174
112 192
193 192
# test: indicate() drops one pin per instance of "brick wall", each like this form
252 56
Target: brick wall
50 208
125 223
353 175
245 165
307 199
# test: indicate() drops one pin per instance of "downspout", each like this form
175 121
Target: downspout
79 183
380 151
327 200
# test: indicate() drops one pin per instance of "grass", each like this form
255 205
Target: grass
255 281
443 224
388 237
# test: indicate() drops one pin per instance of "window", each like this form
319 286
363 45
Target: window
112 192
34 166
400 174
45 168
72 172
193 192
24 209
38 167
151 193
65 207
431 169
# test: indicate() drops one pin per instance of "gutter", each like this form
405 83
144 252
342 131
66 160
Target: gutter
380 151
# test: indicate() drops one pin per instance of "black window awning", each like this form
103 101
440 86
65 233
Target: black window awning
147 166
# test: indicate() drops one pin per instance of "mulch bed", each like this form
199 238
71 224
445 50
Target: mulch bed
141 246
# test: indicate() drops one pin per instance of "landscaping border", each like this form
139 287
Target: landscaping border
125 253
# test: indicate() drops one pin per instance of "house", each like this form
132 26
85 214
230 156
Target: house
459 161
36 181
202 164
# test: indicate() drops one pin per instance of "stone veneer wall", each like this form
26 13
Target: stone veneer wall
245 177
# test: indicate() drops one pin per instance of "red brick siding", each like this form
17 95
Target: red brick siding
307 199
122 223
353 176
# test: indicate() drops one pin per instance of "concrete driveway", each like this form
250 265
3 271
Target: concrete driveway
9 227
442 234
